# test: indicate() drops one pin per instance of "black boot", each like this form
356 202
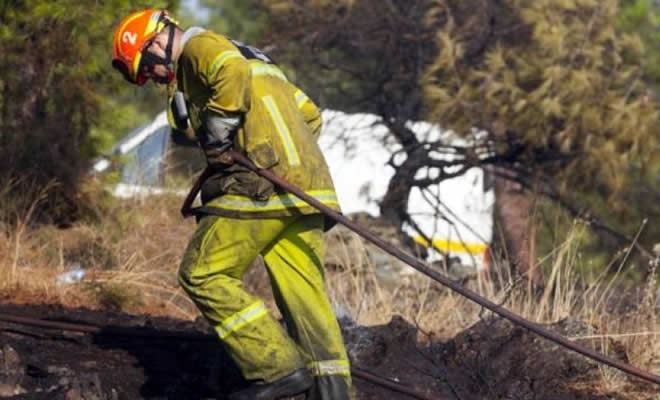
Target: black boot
330 387
297 382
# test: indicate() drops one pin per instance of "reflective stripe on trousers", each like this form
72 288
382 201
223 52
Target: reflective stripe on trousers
218 255
240 319
329 367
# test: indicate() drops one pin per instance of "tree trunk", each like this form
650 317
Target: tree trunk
394 206
515 228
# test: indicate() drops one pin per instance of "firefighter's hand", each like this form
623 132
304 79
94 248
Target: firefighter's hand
217 154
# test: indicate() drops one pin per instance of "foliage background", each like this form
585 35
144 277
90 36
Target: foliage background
568 87
60 102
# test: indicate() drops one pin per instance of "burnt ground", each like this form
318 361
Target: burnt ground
491 360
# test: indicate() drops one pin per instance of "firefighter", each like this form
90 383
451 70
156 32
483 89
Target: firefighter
237 98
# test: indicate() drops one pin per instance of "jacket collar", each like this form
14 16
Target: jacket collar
190 32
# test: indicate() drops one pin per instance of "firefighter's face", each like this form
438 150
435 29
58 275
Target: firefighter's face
158 73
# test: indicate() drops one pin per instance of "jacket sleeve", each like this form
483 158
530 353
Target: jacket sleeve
186 131
226 73
310 112
171 89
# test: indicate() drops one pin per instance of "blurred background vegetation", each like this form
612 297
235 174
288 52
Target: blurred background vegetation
566 90
60 103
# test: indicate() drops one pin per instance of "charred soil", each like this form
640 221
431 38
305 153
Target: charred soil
129 359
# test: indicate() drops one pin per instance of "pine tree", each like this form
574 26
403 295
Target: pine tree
560 88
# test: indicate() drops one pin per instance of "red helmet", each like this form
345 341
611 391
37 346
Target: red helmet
133 33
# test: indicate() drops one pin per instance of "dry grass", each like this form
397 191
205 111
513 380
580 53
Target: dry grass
129 255
132 252
623 320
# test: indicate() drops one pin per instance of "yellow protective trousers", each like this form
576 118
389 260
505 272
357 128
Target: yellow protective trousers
211 272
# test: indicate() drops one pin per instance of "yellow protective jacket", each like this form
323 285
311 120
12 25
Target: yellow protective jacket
280 125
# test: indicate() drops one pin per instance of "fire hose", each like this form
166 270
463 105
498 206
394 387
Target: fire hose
438 277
